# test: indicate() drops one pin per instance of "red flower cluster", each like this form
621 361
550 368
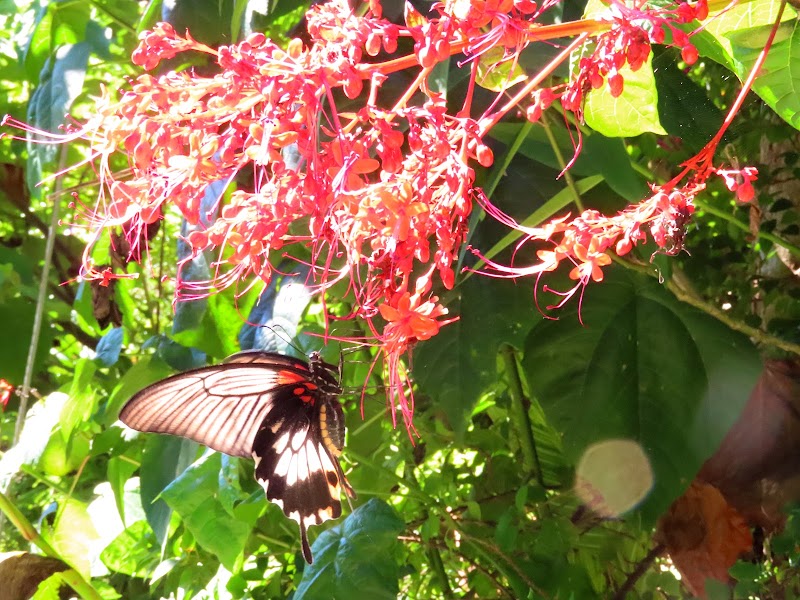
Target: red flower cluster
586 240
628 43
379 197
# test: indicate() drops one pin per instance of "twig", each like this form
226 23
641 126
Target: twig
640 570
40 302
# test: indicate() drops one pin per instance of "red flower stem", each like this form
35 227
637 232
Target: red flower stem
536 33
485 124
412 89
702 161
473 74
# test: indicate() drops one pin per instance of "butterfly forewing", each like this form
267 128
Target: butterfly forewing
280 411
221 406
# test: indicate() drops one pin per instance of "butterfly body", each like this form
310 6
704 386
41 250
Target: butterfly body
282 412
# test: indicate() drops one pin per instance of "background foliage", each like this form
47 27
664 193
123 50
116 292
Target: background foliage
484 502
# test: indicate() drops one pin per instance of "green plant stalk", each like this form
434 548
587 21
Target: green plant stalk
29 532
568 178
435 558
519 414
729 218
25 527
80 585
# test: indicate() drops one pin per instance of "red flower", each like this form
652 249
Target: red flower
6 389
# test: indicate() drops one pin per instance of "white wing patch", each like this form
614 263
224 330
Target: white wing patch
306 484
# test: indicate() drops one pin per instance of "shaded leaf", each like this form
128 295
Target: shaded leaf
453 367
646 368
356 554
109 347
165 458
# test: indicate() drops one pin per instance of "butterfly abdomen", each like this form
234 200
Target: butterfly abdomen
331 423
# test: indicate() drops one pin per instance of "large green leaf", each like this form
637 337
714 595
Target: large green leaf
685 110
57 24
195 497
357 554
60 82
737 36
643 367
74 534
455 367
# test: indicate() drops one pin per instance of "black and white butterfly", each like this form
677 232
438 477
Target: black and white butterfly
283 412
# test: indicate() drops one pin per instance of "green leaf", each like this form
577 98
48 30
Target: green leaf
41 419
685 110
216 333
454 370
164 458
61 456
16 315
57 24
496 72
49 588
643 367
10 282
134 552
506 533
118 472
208 20
109 346
600 155
82 399
74 534
140 375
736 36
633 112
194 496
357 554
60 82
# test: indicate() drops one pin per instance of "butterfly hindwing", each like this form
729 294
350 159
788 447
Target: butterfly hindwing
297 471
280 411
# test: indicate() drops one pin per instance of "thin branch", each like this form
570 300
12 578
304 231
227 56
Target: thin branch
641 569
40 302
681 289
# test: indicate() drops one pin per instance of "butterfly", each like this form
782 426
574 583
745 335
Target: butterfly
280 411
